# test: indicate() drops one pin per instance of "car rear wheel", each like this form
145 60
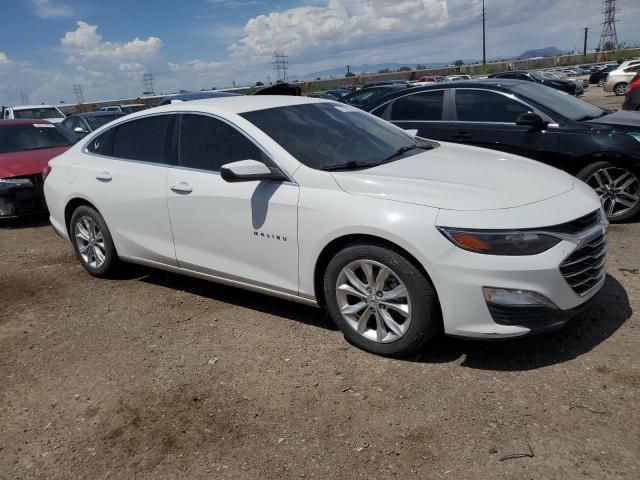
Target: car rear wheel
380 300
92 242
618 189
601 83
620 88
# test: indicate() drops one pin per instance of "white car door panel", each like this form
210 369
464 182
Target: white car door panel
131 194
245 231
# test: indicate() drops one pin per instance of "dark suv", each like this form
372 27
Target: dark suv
598 146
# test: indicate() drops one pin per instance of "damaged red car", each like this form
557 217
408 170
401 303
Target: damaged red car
26 146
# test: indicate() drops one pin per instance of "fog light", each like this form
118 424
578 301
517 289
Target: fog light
515 298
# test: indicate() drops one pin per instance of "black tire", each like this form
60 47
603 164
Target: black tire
586 176
620 89
111 261
601 83
425 309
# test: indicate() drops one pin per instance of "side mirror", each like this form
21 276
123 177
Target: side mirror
80 131
532 120
250 171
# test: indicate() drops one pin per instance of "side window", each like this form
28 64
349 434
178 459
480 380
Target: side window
144 139
485 106
419 106
103 143
207 143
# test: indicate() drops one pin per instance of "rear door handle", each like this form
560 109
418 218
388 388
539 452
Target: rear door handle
182 187
463 136
104 176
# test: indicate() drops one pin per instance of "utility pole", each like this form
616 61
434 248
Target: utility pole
586 33
348 69
484 39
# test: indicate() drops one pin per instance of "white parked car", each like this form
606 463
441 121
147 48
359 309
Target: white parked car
318 202
618 80
30 112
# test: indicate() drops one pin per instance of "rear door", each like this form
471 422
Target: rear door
422 111
127 182
487 118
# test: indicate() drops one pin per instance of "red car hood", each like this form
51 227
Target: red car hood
28 162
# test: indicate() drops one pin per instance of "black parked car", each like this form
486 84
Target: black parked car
600 77
574 88
367 95
81 124
598 146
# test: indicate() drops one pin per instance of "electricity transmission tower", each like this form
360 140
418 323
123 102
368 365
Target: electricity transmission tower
77 89
609 36
24 98
147 79
280 66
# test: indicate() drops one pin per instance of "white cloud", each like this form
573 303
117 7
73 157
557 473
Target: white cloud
47 9
4 59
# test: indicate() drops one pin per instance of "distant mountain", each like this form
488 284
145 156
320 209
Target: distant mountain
365 68
541 52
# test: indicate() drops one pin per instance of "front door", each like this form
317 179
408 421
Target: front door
487 119
244 231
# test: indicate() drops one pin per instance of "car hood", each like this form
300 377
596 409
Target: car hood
621 118
28 162
458 177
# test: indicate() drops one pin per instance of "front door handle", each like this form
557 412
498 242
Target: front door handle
182 187
463 136
104 176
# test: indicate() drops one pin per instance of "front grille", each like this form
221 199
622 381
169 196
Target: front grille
585 267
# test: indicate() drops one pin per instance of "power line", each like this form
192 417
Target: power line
609 36
148 80
280 65
77 89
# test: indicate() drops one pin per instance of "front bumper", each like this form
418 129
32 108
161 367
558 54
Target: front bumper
21 200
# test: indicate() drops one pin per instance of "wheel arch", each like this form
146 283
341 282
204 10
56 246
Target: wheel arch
346 240
71 206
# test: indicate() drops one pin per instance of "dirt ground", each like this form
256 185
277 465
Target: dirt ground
155 375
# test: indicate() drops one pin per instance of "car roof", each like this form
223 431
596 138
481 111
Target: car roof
29 107
97 114
5 123
235 105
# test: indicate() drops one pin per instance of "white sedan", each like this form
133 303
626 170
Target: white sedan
318 202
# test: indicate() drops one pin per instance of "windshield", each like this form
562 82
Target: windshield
560 102
29 113
100 120
329 136
17 138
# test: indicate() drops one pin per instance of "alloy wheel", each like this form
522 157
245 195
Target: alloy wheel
620 89
373 301
618 189
90 242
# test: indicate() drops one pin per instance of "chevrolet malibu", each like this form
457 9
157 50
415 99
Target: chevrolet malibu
318 202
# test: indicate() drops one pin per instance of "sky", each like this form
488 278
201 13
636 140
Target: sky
47 46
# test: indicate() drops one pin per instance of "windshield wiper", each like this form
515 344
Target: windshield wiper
593 117
403 150
354 165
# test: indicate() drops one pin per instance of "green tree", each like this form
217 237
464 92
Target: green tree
259 84
404 69
458 63
349 74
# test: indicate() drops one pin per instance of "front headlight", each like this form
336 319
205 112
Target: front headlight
500 242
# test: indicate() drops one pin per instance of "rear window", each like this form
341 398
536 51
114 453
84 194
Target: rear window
18 138
419 106
29 113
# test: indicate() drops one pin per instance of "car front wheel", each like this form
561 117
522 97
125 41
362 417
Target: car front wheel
618 189
620 89
92 242
380 300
